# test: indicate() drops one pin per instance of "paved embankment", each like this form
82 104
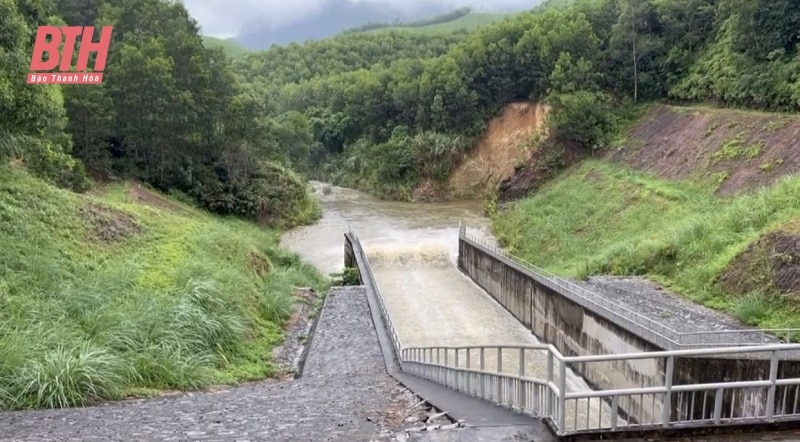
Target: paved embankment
345 394
663 307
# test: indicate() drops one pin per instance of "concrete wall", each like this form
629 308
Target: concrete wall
576 330
572 329
349 256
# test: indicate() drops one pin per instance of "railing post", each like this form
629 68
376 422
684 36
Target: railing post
469 373
499 371
562 400
428 359
549 399
483 378
666 412
521 392
457 373
773 377
446 364
614 411
718 405
439 364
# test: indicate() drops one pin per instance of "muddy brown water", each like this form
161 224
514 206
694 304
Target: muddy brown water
413 249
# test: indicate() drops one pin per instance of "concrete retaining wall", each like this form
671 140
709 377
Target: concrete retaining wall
576 330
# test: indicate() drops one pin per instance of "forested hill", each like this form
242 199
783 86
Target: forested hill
407 119
462 19
331 18
100 293
382 112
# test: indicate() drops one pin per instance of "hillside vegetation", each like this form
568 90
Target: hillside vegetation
231 47
702 200
388 112
328 18
466 22
108 289
155 299
122 291
737 150
604 219
407 121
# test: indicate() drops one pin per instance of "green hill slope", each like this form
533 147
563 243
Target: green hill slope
468 22
602 219
704 201
126 291
230 46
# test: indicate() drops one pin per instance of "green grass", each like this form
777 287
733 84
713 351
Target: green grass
230 46
602 219
101 297
468 22
735 148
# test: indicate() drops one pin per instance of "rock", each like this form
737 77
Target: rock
436 416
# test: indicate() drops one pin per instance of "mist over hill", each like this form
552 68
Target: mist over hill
331 17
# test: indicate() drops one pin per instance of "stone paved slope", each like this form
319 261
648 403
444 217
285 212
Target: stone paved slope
345 394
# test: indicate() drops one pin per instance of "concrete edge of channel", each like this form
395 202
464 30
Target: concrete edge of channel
474 412
300 366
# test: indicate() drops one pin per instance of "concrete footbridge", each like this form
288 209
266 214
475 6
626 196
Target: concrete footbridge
581 359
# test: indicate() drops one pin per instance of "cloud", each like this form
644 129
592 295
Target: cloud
224 18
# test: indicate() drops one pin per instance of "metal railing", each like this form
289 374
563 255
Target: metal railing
368 279
659 405
508 376
653 331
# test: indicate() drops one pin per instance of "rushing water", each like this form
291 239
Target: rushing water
413 249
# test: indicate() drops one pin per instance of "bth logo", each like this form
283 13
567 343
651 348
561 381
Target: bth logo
42 70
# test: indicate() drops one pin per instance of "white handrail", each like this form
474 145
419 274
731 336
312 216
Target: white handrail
664 405
548 398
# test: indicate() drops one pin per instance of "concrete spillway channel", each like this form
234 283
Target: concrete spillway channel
413 250
432 304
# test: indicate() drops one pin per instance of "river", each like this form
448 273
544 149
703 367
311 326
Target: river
413 249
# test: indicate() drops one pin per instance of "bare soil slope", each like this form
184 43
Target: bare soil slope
506 143
741 150
769 265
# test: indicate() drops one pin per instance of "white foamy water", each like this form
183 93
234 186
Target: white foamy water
413 250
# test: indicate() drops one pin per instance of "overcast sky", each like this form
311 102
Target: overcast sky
224 18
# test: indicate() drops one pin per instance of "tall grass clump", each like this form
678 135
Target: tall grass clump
602 219
145 300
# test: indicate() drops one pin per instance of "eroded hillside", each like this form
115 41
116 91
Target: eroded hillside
509 140
739 150
703 201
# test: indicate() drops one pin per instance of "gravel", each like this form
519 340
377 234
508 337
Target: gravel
344 394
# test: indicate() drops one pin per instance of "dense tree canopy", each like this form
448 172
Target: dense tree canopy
380 111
